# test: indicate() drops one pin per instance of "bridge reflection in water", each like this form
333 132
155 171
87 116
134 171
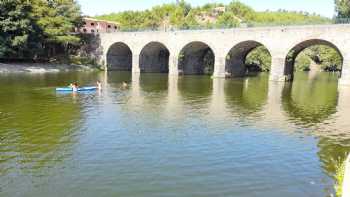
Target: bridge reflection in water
317 107
304 103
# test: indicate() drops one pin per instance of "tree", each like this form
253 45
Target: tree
190 21
228 19
260 57
185 7
241 10
182 15
342 8
16 27
57 19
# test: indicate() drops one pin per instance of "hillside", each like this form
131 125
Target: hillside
184 16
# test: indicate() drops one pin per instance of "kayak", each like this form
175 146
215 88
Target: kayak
82 89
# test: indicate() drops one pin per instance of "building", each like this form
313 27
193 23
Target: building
92 25
219 10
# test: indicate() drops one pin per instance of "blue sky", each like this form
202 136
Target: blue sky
96 7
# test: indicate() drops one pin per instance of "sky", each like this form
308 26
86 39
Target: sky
98 7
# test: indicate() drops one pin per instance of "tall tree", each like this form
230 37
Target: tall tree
57 19
342 8
15 27
241 10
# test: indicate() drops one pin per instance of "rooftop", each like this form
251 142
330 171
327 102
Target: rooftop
98 20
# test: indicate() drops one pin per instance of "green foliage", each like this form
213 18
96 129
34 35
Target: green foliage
283 17
302 101
190 20
329 57
241 11
302 62
79 60
227 19
57 19
183 16
261 57
159 16
30 28
326 57
342 8
340 166
16 27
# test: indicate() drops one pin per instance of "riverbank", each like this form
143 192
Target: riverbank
42 68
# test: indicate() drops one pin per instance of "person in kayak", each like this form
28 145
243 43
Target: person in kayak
74 86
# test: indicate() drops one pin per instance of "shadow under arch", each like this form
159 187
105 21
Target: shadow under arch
196 58
308 102
119 57
246 96
298 48
235 64
154 58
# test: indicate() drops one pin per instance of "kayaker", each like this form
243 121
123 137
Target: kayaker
75 87
99 85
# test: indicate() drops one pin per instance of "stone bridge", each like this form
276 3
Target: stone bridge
184 52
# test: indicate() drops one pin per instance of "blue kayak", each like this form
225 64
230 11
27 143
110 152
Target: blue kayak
82 89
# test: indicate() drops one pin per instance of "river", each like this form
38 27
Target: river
171 136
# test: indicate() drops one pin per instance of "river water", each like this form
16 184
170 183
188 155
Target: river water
177 136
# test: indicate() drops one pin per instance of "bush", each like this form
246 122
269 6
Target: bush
339 176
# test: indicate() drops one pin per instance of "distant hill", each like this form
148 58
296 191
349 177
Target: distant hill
182 15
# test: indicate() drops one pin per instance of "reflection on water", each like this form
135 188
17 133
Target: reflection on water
247 96
171 136
331 151
311 101
149 84
195 90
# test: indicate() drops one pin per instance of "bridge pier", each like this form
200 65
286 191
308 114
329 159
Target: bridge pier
345 78
173 65
135 64
277 69
345 73
219 67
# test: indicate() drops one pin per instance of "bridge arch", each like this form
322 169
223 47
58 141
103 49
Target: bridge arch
154 58
196 58
292 54
119 57
235 61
